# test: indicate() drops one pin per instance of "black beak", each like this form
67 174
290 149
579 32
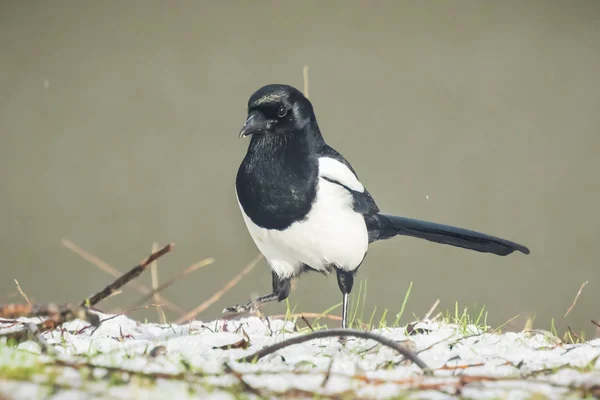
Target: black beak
255 122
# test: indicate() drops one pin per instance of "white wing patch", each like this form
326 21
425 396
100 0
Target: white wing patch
337 171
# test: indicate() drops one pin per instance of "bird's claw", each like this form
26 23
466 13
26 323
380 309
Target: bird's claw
241 308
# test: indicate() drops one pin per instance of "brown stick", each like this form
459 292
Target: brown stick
305 76
575 300
433 307
184 272
116 273
227 368
100 322
573 334
307 322
307 315
265 351
236 279
125 278
22 292
155 284
17 310
312 315
327 373
57 315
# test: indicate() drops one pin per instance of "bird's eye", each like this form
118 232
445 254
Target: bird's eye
281 111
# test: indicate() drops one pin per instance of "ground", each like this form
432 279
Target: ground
126 359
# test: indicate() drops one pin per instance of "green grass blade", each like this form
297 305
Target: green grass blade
406 296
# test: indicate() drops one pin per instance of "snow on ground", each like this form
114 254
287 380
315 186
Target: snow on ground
126 359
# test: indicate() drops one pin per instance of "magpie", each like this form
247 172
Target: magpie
306 208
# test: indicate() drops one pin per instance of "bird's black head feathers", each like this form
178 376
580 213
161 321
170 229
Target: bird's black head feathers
277 180
279 110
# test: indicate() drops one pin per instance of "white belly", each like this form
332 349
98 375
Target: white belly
332 233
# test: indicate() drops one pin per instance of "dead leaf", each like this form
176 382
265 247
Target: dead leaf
240 344
411 330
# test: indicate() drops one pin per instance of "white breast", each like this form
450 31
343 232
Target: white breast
332 233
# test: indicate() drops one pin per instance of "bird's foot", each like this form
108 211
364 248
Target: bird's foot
250 306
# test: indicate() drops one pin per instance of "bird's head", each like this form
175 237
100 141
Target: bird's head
277 110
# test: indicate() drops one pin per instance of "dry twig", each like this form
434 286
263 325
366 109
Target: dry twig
154 280
80 331
116 273
575 299
327 373
236 279
305 76
315 315
307 323
125 278
573 334
433 307
56 316
183 273
59 314
338 332
227 368
308 315
22 292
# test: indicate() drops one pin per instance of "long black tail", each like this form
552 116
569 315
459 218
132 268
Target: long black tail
384 226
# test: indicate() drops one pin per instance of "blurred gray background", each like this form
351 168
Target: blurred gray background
119 123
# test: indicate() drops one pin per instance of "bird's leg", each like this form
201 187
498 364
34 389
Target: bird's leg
345 281
281 291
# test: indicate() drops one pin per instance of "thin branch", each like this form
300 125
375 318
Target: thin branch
305 76
343 333
433 307
125 278
576 297
431 346
57 315
22 292
236 279
227 368
155 284
100 322
573 334
118 315
116 273
307 315
315 315
327 373
307 322
183 273
18 310
490 331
